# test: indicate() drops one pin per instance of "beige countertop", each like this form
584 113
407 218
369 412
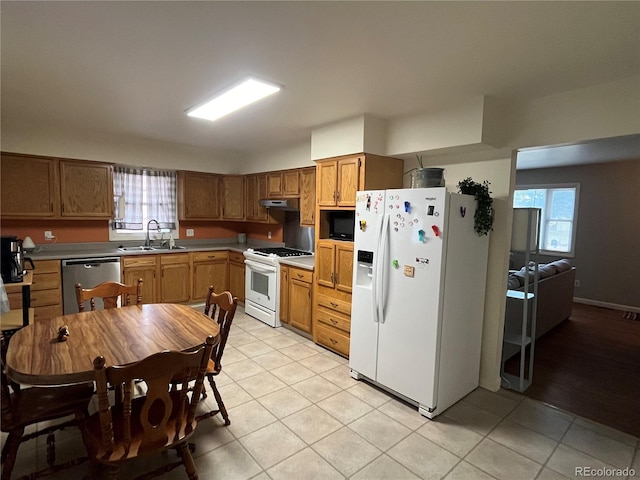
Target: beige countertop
307 263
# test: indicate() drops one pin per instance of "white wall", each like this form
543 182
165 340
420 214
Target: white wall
61 142
340 138
293 156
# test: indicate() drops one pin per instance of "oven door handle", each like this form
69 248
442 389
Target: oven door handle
259 267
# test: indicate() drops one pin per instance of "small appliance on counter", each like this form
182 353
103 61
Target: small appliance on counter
12 259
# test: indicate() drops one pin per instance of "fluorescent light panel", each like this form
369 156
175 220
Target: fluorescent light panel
243 94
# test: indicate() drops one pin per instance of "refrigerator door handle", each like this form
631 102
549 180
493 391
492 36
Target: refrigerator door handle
374 283
380 268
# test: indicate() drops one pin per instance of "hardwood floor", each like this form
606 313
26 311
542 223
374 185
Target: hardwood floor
590 366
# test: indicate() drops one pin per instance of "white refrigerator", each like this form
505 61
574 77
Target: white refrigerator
418 295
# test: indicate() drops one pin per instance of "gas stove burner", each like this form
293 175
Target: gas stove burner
281 252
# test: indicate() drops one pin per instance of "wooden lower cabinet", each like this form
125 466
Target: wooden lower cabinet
296 297
237 275
175 278
209 268
300 299
145 267
45 291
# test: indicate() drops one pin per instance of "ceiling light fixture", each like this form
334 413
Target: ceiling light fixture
246 92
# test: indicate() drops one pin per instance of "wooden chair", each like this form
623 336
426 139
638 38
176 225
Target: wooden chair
164 418
110 292
222 308
24 407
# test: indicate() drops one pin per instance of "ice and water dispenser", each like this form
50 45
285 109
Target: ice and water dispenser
364 275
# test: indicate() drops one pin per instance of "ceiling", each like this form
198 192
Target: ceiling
133 68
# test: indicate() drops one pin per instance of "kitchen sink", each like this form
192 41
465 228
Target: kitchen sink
142 248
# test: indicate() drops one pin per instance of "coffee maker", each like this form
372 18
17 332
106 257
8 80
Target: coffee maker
12 259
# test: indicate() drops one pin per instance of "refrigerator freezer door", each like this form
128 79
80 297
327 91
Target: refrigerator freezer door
408 339
364 326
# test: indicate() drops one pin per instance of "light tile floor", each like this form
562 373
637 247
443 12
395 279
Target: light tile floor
297 414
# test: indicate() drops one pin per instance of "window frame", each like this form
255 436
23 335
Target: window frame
132 235
549 187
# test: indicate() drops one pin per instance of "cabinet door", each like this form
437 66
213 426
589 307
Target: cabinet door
274 185
325 261
308 196
86 189
130 276
198 196
344 267
214 273
284 294
237 280
300 305
326 181
233 197
29 186
175 278
348 179
291 183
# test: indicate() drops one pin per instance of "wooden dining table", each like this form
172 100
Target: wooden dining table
121 335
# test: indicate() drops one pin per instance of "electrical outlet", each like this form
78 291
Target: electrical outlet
48 235
576 283
269 235
190 232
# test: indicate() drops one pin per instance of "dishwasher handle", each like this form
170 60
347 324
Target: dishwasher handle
90 262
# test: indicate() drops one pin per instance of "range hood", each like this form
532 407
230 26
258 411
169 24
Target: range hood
284 204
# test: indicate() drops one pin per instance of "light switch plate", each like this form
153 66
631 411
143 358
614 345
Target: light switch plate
190 232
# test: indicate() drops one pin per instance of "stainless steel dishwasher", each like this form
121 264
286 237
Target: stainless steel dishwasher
88 272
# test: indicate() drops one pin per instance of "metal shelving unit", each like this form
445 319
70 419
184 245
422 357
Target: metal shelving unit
525 239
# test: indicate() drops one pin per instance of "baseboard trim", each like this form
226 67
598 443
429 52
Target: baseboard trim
613 306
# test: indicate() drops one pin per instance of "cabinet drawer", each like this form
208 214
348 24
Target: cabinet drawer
47 312
208 256
146 261
335 304
46 266
236 257
302 275
42 298
334 319
45 281
174 258
332 339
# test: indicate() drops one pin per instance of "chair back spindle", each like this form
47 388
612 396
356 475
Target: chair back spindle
110 293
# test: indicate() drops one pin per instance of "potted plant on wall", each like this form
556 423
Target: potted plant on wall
484 215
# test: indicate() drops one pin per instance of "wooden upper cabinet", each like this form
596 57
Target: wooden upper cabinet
198 196
283 184
86 189
233 197
29 186
274 185
338 179
255 189
337 182
291 183
308 196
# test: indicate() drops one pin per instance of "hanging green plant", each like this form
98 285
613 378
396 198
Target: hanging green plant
483 218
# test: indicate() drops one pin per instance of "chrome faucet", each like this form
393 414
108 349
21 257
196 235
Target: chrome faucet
147 242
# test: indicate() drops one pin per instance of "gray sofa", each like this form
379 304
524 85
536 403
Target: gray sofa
555 297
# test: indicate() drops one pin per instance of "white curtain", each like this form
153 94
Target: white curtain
142 194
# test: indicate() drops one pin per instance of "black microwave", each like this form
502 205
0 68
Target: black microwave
341 225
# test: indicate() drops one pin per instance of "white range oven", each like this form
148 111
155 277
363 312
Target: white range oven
262 284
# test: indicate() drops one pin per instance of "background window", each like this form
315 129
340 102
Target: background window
140 195
559 205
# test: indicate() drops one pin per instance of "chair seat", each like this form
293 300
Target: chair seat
120 452
39 404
